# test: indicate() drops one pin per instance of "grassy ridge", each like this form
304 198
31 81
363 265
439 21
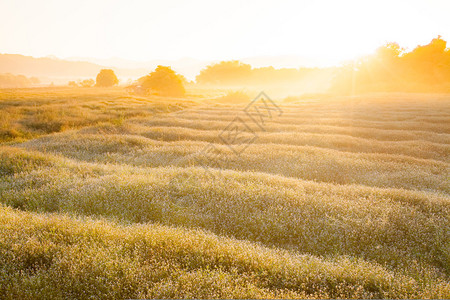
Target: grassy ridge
29 113
45 256
339 198
389 226
416 148
307 162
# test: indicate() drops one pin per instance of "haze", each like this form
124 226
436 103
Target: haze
322 32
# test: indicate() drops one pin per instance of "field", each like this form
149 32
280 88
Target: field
109 195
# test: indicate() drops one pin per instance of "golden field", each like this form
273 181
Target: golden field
104 194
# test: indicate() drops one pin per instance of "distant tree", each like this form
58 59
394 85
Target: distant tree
163 81
429 63
426 68
106 78
225 72
16 81
72 84
234 72
87 83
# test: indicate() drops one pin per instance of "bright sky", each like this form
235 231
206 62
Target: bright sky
325 30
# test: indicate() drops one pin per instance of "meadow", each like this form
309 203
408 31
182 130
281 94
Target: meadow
105 194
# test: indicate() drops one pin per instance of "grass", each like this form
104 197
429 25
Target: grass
29 113
337 198
82 258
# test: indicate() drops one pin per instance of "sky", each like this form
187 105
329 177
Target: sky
326 32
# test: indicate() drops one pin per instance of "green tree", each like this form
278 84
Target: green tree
106 78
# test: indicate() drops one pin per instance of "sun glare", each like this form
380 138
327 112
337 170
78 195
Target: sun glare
322 32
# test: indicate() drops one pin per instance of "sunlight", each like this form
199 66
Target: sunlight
323 32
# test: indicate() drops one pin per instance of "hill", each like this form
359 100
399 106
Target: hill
58 70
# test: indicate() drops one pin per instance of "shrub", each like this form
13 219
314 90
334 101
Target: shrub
106 78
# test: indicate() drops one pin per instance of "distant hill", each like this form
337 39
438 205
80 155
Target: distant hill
49 69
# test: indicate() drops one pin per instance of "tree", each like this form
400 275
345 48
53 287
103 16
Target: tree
429 63
163 81
16 81
425 68
234 72
225 72
87 83
106 78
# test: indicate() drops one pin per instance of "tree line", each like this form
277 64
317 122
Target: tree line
424 69
391 68
17 81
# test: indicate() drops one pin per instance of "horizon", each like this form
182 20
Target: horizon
187 66
191 67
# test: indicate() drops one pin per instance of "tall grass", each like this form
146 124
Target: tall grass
48 256
28 113
390 226
306 162
101 197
